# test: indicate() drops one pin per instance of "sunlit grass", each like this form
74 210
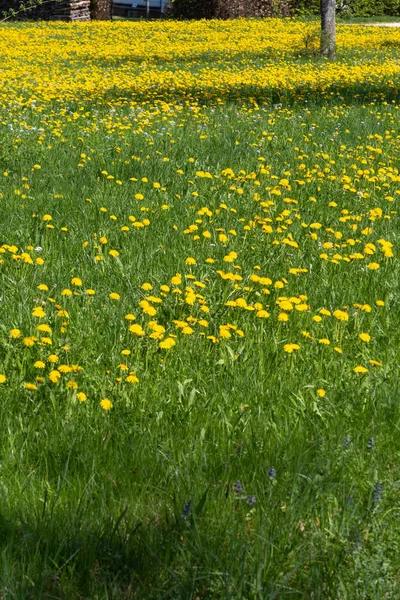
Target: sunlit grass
199 340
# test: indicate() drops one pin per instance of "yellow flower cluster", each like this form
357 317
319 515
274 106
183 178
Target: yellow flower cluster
164 248
164 59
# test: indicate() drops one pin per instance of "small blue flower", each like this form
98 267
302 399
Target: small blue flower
271 473
187 509
238 487
378 489
251 500
371 443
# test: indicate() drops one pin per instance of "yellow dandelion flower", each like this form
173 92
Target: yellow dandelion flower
169 342
154 299
366 308
137 330
187 330
38 312
54 376
365 337
15 333
114 296
285 305
72 385
341 315
176 279
81 396
106 404
289 348
224 332
31 387
360 369
302 307
375 363
307 335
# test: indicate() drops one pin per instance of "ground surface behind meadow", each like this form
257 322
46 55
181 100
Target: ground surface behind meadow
199 343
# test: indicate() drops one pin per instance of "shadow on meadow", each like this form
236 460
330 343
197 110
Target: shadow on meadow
59 559
55 558
359 93
305 51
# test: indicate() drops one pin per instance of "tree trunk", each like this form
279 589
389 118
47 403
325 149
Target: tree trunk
328 28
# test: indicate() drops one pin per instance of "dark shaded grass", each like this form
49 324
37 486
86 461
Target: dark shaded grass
357 94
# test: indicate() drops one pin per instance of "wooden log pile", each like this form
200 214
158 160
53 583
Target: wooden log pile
71 10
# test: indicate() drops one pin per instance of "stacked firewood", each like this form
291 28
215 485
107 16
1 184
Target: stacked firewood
71 10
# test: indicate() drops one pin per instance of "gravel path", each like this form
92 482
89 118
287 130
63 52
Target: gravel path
383 24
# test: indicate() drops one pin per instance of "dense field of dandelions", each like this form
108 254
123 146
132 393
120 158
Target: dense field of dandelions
199 335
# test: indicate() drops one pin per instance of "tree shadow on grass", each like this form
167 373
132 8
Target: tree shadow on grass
357 93
65 560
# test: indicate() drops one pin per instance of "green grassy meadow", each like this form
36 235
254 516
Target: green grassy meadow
200 345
